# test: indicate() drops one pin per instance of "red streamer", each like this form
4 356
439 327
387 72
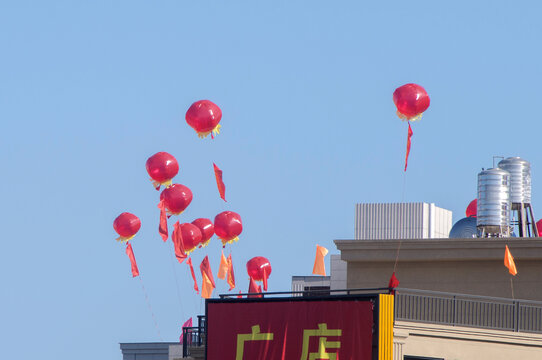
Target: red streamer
162 228
410 133
130 253
177 239
189 263
219 182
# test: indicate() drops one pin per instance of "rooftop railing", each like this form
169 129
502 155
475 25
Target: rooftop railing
194 337
468 310
313 292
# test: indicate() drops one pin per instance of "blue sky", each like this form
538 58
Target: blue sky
89 90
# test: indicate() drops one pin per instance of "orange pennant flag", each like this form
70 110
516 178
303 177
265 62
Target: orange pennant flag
206 287
319 263
130 253
162 227
208 282
219 182
253 288
178 245
223 268
189 263
509 261
231 276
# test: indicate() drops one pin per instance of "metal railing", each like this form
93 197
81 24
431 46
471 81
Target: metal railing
194 336
468 310
308 293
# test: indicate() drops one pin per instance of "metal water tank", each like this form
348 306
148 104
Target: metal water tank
520 179
464 228
493 210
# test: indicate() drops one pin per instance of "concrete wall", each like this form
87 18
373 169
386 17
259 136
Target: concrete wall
469 266
338 273
461 343
146 351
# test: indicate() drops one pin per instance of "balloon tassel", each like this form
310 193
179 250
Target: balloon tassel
157 184
202 245
123 239
224 242
213 132
408 118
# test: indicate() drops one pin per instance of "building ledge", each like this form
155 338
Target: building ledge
445 249
407 328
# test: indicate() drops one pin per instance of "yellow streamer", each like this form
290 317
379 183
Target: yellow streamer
123 239
409 118
224 242
215 132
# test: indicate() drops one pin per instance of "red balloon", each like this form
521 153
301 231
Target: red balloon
191 237
162 167
204 116
228 226
207 229
411 101
176 198
259 267
126 225
539 227
471 209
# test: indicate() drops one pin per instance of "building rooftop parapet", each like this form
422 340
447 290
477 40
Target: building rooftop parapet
444 249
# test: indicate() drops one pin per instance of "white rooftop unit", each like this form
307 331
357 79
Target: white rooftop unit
335 281
402 221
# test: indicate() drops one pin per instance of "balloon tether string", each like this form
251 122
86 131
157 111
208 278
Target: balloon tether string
172 260
150 308
401 239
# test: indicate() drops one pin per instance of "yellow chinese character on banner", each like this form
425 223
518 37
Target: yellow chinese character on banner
322 332
255 335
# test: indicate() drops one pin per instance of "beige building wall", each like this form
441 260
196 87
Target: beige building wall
462 343
337 272
468 266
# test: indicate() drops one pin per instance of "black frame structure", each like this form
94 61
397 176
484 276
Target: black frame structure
371 295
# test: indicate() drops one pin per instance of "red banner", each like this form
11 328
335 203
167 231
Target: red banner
285 330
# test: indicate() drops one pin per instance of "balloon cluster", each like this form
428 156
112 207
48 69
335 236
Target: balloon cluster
204 117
